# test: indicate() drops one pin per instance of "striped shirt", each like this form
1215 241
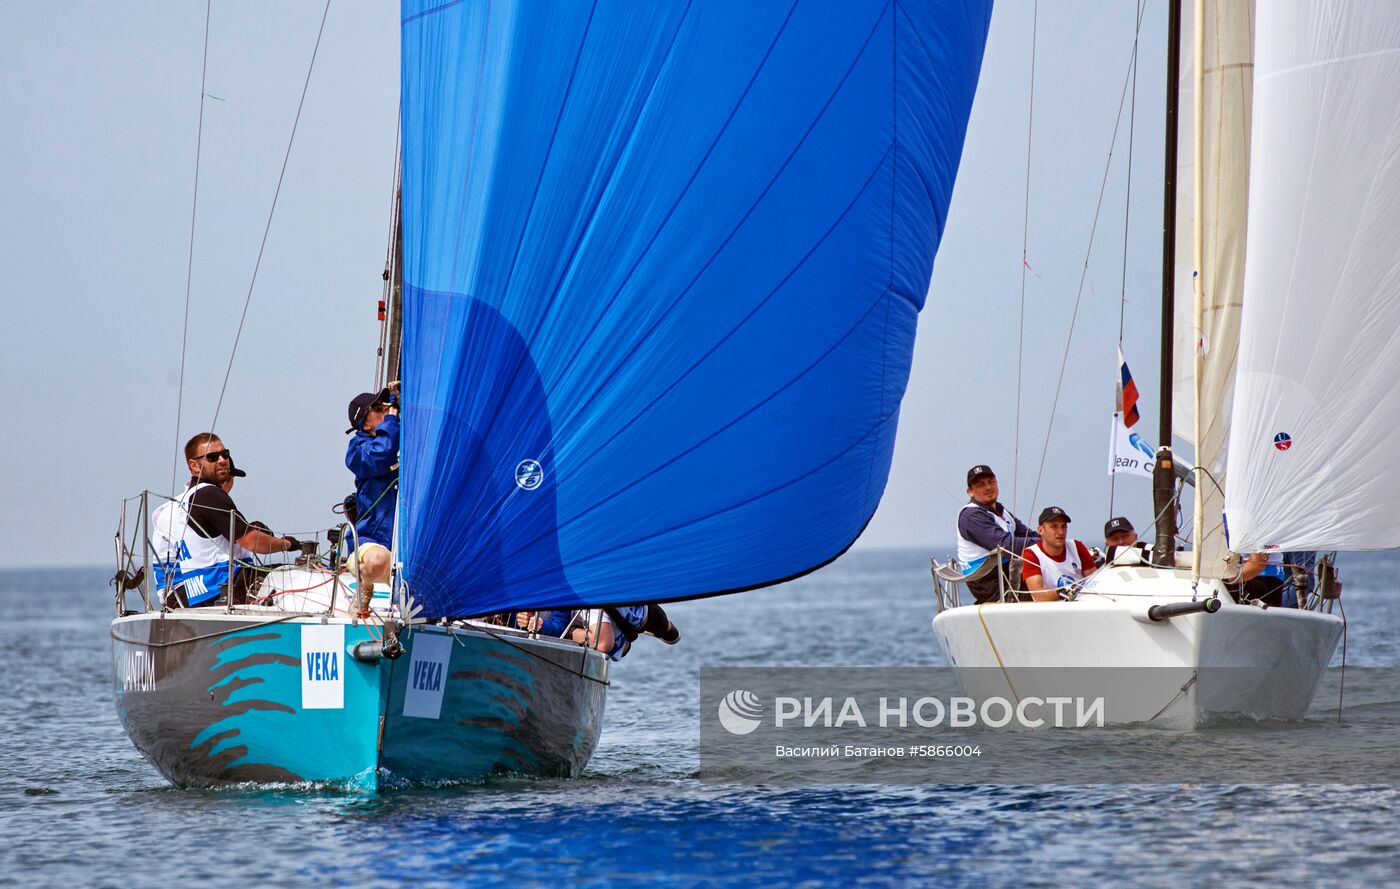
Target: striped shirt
978 526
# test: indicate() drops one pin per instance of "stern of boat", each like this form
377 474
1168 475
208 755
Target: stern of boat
210 697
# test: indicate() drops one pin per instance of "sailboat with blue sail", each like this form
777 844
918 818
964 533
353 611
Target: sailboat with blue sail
662 267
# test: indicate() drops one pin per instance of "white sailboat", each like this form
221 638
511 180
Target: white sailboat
1296 419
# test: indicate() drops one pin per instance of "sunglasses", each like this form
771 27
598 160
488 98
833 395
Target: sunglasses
216 456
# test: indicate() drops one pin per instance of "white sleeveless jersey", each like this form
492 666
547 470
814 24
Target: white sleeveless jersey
167 528
1058 574
970 555
184 557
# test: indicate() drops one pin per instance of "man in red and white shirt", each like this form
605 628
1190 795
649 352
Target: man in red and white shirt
1056 561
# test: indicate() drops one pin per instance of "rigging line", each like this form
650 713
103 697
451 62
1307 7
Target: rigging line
189 262
1127 206
1084 271
539 657
1025 238
381 359
238 336
1128 191
1184 688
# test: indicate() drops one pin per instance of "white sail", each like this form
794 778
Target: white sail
1216 85
1316 394
1224 98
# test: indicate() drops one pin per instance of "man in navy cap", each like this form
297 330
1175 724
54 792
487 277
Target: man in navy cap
1119 535
1057 560
373 456
1118 531
984 526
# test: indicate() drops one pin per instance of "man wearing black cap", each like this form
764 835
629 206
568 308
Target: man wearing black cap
1056 561
1118 531
373 456
985 525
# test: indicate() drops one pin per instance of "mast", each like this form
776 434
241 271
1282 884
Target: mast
1163 505
391 360
1164 435
391 304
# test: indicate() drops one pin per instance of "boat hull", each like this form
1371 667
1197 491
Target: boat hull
213 698
509 705
1239 661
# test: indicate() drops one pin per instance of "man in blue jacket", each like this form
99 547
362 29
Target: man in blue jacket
373 456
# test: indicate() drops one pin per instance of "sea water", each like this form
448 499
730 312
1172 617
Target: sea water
80 807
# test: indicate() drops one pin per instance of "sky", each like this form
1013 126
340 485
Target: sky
97 178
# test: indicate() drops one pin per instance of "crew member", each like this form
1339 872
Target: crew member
1057 560
168 526
1262 578
985 525
203 527
1119 532
613 629
373 456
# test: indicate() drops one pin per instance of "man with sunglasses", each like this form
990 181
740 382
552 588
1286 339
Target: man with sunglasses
203 521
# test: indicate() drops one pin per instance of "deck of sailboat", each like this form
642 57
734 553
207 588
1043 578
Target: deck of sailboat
1242 659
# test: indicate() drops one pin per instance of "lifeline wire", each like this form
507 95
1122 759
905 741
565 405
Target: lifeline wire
1084 272
271 210
499 638
189 263
1025 237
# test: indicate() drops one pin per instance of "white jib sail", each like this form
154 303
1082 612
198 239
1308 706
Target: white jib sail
1317 392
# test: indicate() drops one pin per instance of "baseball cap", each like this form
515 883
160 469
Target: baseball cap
235 471
1117 523
1051 513
977 472
359 409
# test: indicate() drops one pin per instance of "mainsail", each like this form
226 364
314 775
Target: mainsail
1222 72
663 263
1316 396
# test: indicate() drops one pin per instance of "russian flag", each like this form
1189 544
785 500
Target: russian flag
1128 393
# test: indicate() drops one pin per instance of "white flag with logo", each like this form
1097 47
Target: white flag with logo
1127 451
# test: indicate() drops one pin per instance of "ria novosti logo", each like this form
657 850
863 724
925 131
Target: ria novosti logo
740 712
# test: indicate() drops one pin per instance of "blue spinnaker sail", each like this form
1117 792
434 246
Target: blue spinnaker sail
663 263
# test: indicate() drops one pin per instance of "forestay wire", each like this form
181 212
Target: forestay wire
1025 264
1127 206
1084 271
213 424
189 262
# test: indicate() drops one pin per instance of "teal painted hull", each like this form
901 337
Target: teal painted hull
213 698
